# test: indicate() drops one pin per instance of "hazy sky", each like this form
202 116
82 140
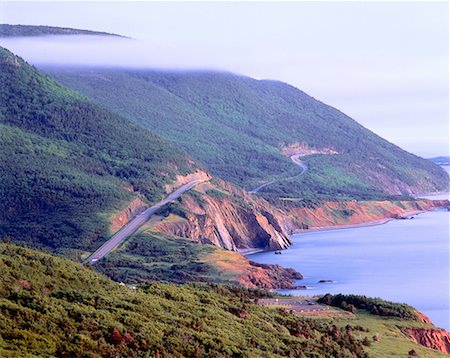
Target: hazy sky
385 64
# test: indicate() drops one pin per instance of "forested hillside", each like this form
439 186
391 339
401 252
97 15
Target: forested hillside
66 163
7 30
53 307
239 127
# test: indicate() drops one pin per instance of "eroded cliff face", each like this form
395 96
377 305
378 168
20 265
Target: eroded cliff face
335 214
438 339
125 215
252 274
224 216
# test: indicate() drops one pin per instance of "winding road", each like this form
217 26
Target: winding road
137 222
297 161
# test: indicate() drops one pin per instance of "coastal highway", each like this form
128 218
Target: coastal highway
137 222
297 161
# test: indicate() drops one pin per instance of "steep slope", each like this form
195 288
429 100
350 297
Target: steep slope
7 30
66 164
53 307
74 173
243 130
220 214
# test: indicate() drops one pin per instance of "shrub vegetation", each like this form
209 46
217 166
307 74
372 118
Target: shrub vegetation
56 308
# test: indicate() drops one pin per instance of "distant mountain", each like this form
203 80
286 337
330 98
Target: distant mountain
67 164
7 30
243 130
443 160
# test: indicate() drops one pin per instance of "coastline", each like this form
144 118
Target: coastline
412 232
353 226
404 216
428 195
253 250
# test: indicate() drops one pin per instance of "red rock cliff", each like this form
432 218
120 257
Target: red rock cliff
230 218
438 339
126 214
335 214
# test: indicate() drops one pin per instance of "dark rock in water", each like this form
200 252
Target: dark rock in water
300 287
296 275
277 252
273 276
326 281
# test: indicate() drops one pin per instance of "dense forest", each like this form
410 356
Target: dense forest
54 307
66 163
237 127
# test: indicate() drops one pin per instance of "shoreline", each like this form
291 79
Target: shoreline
354 226
251 251
427 195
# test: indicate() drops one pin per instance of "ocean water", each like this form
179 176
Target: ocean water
403 261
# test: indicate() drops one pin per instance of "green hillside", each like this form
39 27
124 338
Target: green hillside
53 307
236 125
7 30
66 163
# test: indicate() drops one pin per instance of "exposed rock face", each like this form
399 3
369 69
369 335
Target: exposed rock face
252 274
438 339
270 276
303 149
423 318
233 220
122 217
335 214
183 179
237 220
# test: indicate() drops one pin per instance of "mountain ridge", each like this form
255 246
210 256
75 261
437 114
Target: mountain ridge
69 166
239 127
16 30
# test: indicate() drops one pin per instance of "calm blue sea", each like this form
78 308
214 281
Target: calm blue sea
402 261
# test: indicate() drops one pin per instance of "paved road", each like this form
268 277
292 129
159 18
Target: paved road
300 304
136 223
296 160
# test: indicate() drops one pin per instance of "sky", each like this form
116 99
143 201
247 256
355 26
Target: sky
385 64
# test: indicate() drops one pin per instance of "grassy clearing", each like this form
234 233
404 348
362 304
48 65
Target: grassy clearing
393 342
151 256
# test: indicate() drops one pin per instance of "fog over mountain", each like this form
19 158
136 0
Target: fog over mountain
391 78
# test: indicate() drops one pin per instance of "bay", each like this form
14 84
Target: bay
403 261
